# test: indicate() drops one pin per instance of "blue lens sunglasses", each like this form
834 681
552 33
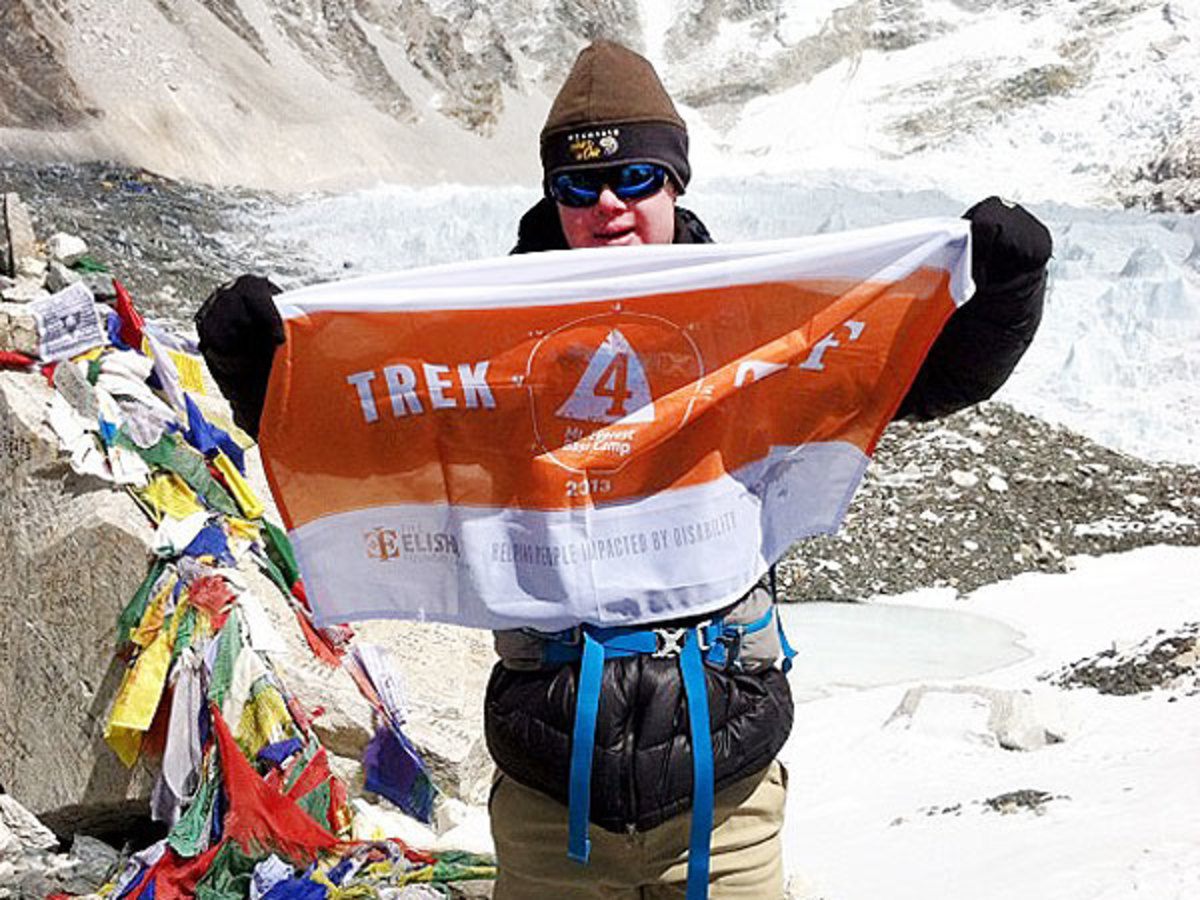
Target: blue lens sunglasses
633 181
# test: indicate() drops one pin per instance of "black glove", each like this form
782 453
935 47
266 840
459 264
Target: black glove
239 329
1007 242
984 338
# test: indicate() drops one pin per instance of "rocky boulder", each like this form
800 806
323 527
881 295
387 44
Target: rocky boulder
1006 719
31 866
73 551
16 234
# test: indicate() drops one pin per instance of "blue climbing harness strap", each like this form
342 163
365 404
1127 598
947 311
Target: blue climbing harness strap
695 688
789 652
583 742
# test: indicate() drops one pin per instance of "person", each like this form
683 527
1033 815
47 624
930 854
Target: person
614 153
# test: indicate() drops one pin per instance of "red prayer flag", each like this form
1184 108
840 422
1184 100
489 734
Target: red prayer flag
132 323
260 816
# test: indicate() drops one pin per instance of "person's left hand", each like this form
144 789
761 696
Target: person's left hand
985 337
1007 242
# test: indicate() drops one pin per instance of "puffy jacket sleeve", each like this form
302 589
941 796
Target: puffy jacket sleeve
985 337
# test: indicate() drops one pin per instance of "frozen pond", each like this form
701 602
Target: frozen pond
862 645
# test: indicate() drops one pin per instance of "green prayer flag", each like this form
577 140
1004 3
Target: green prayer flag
458 865
173 454
227 653
183 636
132 614
279 549
189 837
307 754
272 571
229 875
316 803
87 263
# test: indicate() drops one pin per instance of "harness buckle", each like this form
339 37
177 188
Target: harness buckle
569 637
670 642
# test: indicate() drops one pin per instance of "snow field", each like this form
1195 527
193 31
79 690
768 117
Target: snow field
881 810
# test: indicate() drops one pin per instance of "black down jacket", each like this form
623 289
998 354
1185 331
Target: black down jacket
642 768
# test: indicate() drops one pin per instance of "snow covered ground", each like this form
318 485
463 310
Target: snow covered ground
898 810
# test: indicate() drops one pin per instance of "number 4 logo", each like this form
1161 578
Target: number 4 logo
614 387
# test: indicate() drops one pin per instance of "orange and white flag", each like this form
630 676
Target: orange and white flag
605 436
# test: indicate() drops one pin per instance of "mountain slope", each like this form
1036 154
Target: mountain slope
1097 96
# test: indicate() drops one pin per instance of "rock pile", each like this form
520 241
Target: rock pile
985 495
30 270
1162 662
31 866
1170 182
176 241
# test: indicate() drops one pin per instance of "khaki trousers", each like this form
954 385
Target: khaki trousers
530 832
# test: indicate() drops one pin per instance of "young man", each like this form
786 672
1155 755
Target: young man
614 155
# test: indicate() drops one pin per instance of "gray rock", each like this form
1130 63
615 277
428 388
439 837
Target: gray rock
1171 181
32 268
66 248
964 479
100 284
1065 494
74 555
94 860
21 834
59 276
25 290
18 234
18 330
1011 720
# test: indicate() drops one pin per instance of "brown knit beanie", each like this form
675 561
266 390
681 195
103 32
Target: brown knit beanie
612 109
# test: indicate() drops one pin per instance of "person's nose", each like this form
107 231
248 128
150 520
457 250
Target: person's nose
609 203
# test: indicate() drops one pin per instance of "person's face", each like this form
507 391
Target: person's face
613 222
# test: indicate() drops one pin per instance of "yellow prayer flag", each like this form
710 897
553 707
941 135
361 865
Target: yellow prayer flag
243 528
89 355
203 627
190 369
169 494
354 892
152 620
241 490
125 742
137 700
265 720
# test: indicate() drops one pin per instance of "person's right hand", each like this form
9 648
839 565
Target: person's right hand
239 329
